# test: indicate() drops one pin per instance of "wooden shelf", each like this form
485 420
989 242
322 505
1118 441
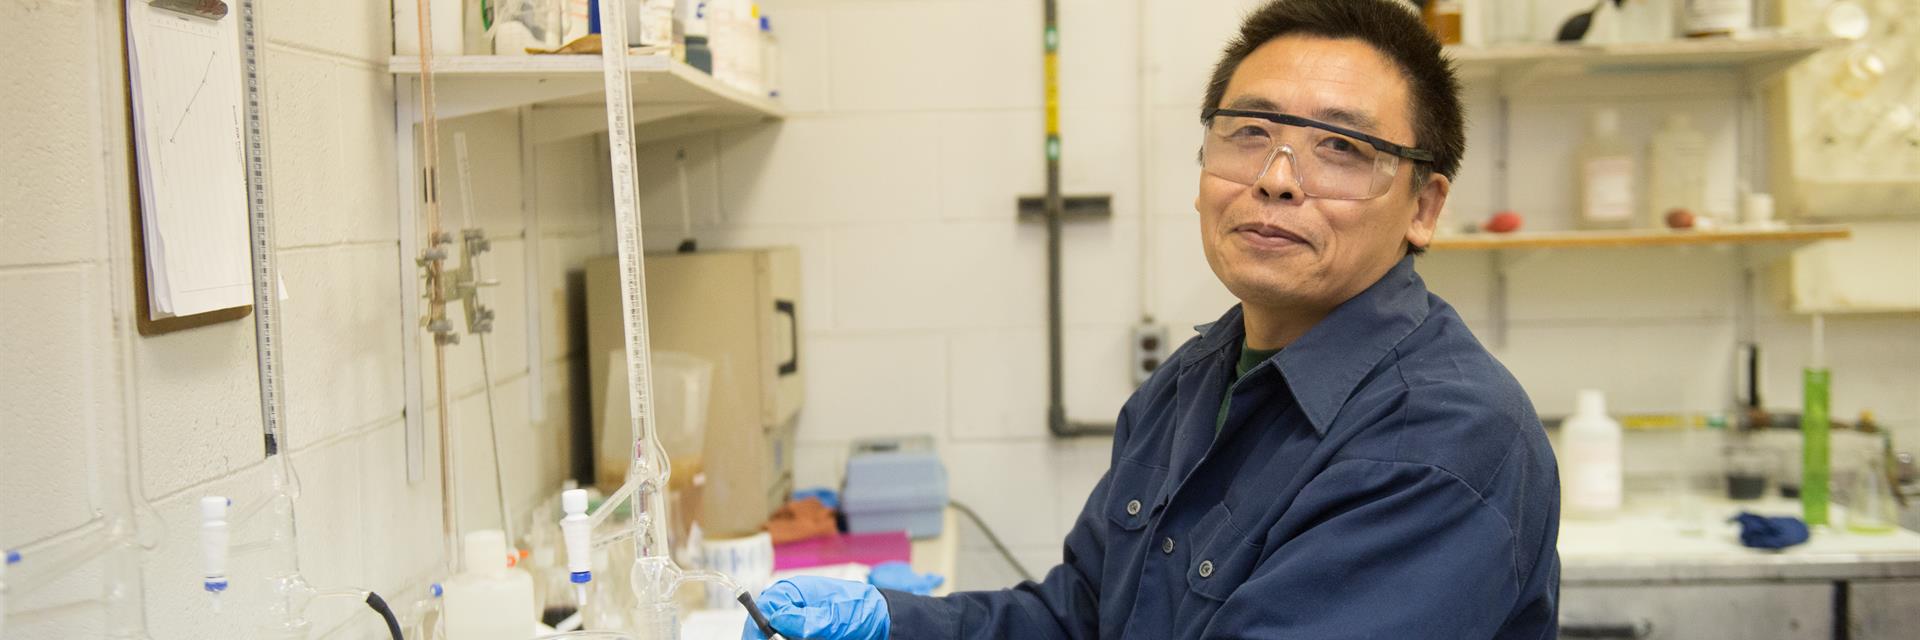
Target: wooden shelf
1756 58
1631 238
567 93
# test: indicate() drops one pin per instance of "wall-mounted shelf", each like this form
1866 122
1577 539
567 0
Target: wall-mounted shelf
1756 58
1629 238
1506 252
566 93
1752 60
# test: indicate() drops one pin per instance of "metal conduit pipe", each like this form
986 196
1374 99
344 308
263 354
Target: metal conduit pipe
1057 422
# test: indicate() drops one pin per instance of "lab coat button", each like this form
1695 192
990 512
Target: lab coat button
1166 546
1206 568
1133 507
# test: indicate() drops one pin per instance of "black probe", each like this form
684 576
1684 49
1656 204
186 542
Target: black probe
759 619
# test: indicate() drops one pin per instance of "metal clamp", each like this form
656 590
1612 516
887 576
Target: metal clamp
209 9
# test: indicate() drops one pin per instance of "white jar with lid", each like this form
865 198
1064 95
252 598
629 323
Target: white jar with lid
1709 18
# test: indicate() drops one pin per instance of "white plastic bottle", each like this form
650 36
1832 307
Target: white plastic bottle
724 40
488 601
769 58
1607 172
1676 170
1590 460
575 19
743 50
752 76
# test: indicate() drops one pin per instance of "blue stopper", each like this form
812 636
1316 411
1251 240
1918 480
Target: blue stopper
13 557
215 586
581 577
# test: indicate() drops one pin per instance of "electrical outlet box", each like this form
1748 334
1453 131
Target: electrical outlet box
1149 350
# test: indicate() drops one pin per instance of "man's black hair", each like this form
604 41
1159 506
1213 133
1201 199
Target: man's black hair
1391 28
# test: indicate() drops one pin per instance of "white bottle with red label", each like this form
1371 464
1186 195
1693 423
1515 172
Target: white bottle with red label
1607 172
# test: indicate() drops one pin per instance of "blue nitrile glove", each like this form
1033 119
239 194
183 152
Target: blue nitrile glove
900 576
826 496
814 608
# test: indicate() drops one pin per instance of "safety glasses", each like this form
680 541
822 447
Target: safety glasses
1329 161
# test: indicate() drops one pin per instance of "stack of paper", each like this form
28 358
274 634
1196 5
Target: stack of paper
185 76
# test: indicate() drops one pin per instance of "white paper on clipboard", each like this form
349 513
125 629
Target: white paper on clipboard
185 75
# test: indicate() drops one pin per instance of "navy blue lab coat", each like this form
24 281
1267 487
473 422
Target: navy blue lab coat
1381 477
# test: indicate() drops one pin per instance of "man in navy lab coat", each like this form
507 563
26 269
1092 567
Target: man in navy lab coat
1337 456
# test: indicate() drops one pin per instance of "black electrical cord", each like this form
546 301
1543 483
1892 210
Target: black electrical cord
386 613
1024 575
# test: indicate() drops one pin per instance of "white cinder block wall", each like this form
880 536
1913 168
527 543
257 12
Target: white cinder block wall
915 124
193 394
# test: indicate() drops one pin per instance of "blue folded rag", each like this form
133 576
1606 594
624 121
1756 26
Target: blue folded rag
1762 532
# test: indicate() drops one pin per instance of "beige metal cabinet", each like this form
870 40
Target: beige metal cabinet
738 310
1883 609
1785 611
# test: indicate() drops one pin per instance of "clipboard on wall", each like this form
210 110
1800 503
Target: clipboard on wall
190 242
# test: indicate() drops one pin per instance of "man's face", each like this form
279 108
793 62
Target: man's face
1272 245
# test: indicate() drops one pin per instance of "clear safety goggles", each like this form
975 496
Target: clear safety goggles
1329 161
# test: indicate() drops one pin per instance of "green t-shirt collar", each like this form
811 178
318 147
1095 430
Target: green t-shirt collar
1250 358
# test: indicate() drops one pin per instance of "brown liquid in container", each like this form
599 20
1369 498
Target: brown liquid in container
1443 19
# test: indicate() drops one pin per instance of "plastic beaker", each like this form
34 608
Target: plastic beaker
1870 507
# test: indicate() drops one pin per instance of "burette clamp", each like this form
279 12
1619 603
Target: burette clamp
208 9
476 241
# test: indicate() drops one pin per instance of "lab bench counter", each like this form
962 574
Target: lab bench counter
1650 545
1642 575
1645 575
940 554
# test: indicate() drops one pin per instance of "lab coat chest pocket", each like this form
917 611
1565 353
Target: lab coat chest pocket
1223 558
1133 493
